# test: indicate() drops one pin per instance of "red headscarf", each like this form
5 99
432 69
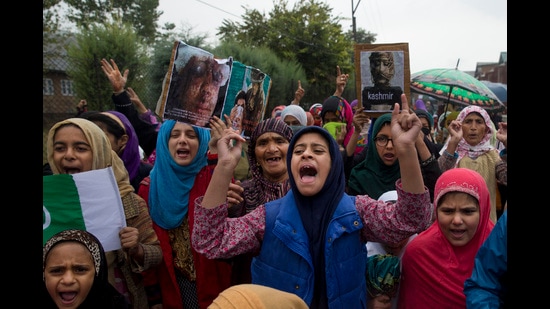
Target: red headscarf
433 270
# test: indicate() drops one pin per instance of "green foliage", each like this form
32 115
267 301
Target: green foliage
109 41
362 36
307 34
141 14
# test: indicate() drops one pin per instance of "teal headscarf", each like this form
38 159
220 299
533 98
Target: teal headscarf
171 182
372 177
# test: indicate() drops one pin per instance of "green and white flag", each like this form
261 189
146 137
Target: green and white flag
88 201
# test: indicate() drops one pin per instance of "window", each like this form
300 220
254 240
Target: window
47 86
67 87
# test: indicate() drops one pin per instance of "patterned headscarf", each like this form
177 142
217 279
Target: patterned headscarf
86 238
474 151
315 110
102 294
259 190
103 155
383 273
170 182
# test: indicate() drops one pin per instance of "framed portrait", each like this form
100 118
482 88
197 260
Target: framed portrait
195 86
382 75
247 97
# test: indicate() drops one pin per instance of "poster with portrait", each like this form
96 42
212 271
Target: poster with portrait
195 86
383 74
247 97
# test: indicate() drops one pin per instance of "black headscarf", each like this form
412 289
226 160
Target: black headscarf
316 211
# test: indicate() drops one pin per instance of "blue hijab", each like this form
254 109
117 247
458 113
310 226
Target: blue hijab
171 182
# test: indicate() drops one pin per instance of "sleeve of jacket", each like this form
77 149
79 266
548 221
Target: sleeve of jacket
146 132
486 286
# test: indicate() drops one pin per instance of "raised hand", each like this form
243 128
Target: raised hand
136 101
455 131
341 81
217 127
502 133
405 125
299 94
118 81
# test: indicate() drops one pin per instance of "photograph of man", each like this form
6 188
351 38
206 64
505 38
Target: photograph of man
197 86
255 102
385 87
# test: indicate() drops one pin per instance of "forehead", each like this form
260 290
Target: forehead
70 249
72 131
474 115
457 199
180 126
312 138
269 136
385 129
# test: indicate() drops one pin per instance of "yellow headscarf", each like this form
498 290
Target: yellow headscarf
103 155
254 296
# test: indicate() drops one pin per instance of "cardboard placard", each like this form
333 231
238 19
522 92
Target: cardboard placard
382 74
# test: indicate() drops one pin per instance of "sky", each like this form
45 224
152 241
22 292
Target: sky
439 32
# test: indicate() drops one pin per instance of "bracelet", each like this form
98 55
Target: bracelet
427 161
455 155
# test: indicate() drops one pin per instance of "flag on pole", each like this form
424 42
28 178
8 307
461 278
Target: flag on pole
88 201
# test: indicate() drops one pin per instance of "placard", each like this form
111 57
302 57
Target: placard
382 75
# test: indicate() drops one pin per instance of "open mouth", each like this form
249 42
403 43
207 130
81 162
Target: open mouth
67 297
307 172
72 170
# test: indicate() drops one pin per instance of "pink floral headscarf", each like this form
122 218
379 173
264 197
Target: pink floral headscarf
474 151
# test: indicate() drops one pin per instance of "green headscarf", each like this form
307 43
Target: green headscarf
372 177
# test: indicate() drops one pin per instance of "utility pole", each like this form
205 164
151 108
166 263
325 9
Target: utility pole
353 9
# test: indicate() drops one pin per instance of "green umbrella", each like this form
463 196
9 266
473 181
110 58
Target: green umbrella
455 87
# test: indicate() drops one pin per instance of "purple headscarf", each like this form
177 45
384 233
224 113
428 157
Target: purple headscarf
130 156
419 104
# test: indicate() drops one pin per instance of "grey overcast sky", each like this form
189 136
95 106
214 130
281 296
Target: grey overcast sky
438 32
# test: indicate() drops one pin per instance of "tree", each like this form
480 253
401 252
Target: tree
117 41
50 16
363 36
141 14
307 34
